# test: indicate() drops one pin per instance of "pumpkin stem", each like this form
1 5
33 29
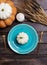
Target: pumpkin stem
21 37
2 10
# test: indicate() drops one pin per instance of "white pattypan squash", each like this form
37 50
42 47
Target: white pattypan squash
22 38
5 11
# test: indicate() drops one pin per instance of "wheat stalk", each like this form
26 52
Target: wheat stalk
34 12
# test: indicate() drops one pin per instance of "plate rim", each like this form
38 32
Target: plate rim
14 50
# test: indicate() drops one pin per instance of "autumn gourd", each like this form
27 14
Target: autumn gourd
7 13
22 38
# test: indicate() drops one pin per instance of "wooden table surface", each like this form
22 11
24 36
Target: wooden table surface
37 57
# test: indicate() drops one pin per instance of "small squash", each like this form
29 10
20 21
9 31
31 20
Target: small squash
2 1
2 24
22 38
7 13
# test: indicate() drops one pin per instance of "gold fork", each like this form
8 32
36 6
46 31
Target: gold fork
4 41
41 36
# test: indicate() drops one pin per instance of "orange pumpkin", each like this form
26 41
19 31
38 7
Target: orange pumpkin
7 21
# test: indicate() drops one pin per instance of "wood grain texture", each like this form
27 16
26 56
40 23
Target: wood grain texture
33 11
43 3
37 57
39 61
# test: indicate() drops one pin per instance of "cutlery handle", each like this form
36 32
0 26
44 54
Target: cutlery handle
41 36
4 40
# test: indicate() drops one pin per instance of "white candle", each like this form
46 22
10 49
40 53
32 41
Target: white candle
20 17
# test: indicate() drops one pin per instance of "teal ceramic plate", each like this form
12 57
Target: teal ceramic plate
29 46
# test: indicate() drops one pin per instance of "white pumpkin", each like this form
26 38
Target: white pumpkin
22 38
5 11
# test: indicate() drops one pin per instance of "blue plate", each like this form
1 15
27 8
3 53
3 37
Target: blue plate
26 48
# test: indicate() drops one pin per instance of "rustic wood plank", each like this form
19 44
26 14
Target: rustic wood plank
44 39
38 56
43 3
43 49
37 26
39 61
